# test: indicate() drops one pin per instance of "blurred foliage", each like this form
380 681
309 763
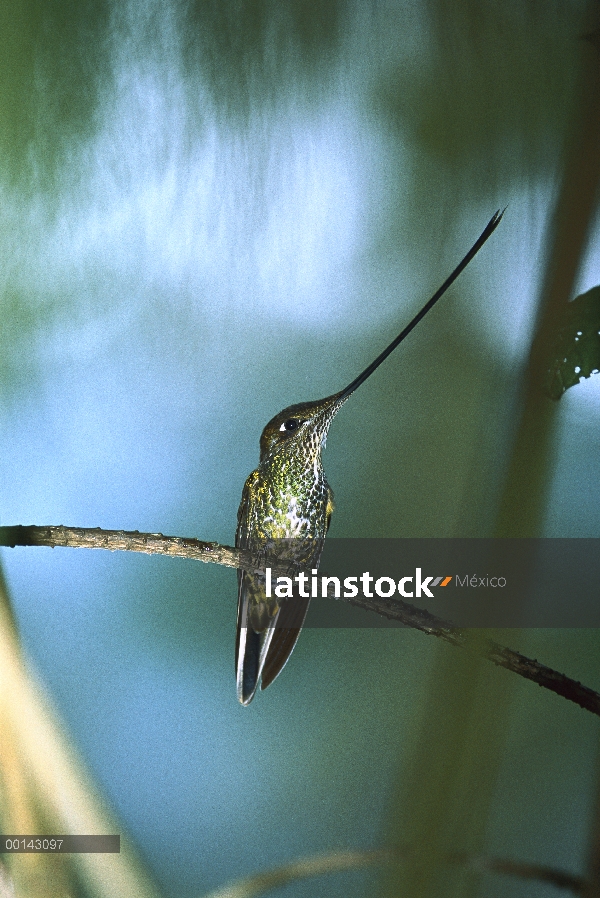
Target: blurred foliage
248 51
492 90
50 71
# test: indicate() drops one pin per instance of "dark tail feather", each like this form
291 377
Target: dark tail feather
251 645
282 645
289 623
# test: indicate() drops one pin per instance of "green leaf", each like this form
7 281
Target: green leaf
575 351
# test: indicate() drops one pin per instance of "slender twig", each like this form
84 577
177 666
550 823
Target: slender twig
320 864
393 609
337 861
539 872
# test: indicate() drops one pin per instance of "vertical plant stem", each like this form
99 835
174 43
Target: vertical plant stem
44 789
444 795
523 504
592 880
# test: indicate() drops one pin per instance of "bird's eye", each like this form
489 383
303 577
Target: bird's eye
290 424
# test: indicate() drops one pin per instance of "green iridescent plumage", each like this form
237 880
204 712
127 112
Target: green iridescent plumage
286 505
287 499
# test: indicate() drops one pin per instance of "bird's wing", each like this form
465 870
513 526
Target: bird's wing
330 508
252 641
241 539
292 615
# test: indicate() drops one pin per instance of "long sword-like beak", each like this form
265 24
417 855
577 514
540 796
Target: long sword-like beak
489 230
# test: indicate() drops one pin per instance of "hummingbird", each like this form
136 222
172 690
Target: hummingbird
287 506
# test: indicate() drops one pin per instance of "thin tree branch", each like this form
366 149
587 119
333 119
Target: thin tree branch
337 861
129 541
393 609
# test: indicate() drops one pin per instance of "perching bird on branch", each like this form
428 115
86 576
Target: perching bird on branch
288 498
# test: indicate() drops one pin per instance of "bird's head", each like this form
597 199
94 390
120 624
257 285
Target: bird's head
302 427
